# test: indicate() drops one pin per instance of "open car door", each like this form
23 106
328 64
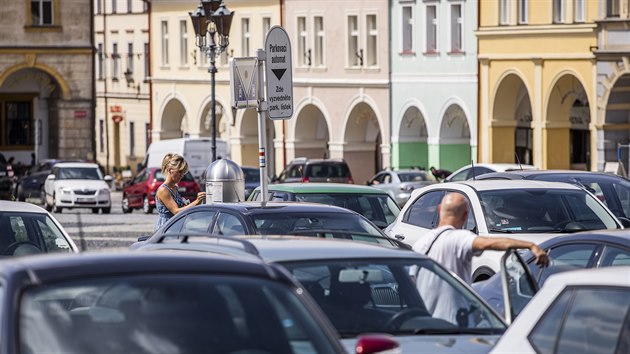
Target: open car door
518 284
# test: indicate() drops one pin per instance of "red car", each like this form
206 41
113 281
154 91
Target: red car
140 192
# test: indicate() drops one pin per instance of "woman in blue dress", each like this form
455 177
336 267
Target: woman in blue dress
168 201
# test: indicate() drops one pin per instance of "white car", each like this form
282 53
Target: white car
529 210
77 185
580 312
470 171
28 229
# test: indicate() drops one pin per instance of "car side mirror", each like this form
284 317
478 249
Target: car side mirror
517 283
51 177
368 183
143 238
625 222
108 178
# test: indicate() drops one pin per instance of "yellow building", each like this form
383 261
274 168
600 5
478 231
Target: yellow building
538 82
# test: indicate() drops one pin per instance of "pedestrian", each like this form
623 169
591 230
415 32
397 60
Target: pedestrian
168 201
440 174
10 171
454 247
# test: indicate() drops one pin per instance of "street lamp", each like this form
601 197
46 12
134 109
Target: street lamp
209 18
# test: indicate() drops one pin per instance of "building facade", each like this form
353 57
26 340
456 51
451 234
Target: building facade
122 60
341 83
434 83
46 80
538 78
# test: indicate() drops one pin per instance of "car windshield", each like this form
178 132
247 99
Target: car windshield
380 209
412 176
291 222
397 296
30 233
174 313
91 173
188 177
543 211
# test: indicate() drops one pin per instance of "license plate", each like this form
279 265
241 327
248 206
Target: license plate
84 200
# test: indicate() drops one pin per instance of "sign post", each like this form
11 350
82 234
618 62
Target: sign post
279 74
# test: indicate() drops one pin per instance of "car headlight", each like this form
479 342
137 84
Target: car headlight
407 188
104 191
65 190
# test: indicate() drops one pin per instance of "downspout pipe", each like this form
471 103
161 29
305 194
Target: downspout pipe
93 105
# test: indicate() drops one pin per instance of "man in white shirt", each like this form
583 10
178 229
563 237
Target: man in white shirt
453 248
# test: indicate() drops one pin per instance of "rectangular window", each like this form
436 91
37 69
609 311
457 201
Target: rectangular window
431 29
558 11
98 5
371 48
164 43
19 121
612 8
456 28
100 67
101 136
42 12
132 139
146 61
246 37
302 38
319 40
147 136
407 29
145 6
129 8
353 41
223 58
504 12
115 63
523 8
114 6
130 58
266 26
183 43
579 7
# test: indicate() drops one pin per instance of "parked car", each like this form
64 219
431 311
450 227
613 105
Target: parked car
611 189
77 185
158 302
472 171
400 183
528 210
582 312
140 192
305 170
365 288
374 204
29 229
31 185
277 218
591 249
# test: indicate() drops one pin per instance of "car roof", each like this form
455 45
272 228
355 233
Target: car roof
275 207
20 207
53 267
323 188
611 276
76 164
486 185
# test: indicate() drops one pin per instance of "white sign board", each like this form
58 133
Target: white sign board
243 82
279 74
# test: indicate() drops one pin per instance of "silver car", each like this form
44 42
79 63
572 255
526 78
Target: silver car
400 183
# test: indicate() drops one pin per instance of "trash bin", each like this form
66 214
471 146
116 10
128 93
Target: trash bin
224 182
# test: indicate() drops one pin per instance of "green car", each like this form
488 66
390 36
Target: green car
373 203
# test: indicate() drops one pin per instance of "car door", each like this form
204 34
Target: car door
419 218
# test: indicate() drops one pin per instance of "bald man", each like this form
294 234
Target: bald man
453 247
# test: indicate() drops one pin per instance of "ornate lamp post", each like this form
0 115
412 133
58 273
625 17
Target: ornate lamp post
209 19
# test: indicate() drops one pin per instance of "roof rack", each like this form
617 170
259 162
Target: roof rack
248 247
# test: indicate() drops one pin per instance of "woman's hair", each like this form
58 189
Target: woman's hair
174 162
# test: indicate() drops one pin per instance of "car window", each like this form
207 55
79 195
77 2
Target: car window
614 256
593 320
228 225
387 178
567 257
460 176
30 233
477 171
194 222
295 171
412 176
623 192
279 197
327 170
543 336
251 175
296 222
53 238
182 313
423 211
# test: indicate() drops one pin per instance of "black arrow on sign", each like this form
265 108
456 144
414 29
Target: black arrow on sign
278 72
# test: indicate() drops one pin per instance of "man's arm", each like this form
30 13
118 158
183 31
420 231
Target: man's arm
481 243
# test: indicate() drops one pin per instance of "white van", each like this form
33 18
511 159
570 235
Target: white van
196 151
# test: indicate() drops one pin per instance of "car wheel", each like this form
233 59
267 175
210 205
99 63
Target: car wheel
106 210
19 193
55 208
42 197
94 210
125 205
146 207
